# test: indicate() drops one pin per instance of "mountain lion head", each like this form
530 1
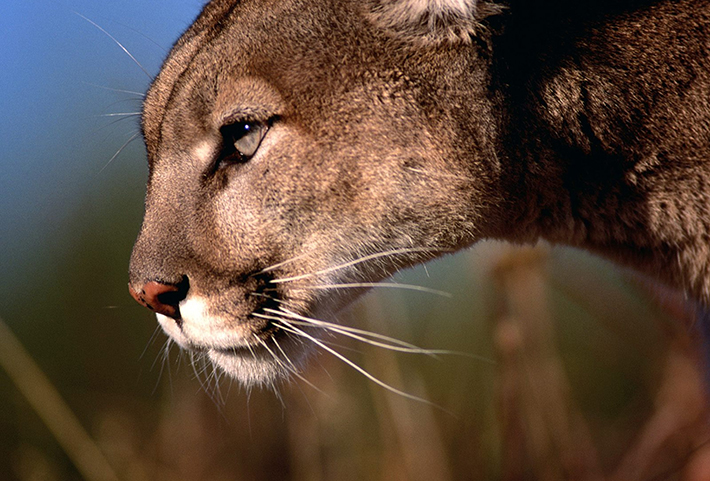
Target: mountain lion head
301 150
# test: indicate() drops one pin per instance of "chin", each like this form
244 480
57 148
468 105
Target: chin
259 366
250 370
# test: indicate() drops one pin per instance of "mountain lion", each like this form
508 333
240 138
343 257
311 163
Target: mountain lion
301 150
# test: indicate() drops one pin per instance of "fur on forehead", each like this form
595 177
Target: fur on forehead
433 20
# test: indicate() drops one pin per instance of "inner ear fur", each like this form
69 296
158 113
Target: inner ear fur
432 20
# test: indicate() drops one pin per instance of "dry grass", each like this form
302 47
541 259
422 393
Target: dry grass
575 393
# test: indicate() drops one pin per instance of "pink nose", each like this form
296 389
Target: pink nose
160 297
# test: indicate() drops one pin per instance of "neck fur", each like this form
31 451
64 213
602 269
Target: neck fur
611 140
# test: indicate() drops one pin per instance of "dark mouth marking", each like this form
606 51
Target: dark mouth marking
267 296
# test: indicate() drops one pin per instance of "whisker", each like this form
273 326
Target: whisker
281 264
99 128
330 343
150 341
355 366
360 260
133 137
268 317
251 350
123 101
213 394
285 356
121 114
102 126
167 363
394 344
117 43
371 342
230 385
164 355
280 302
292 368
384 285
215 378
179 360
390 343
273 355
140 95
280 397
162 48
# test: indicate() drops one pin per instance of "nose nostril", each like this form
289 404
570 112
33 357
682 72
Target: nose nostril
174 296
163 298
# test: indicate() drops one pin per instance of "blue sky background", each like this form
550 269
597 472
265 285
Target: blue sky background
55 137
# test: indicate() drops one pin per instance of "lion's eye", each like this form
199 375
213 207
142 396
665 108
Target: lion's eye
241 140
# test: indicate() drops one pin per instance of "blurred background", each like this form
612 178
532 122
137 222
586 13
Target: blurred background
576 369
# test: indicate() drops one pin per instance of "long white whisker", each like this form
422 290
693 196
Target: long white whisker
117 43
217 379
281 264
212 382
133 137
280 317
358 334
326 330
285 357
292 369
150 341
182 357
133 92
165 361
198 372
121 114
251 350
360 260
384 285
162 356
300 332
390 343
114 122
273 355
357 337
334 330
123 101
143 35
213 393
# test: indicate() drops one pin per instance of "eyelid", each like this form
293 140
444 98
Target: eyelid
246 114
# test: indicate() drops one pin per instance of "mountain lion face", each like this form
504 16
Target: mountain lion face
282 148
300 150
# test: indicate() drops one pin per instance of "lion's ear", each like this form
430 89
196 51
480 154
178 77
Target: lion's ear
432 20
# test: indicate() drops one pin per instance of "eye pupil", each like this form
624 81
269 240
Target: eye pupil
240 130
241 140
245 128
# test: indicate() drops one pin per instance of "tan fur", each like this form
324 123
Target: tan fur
587 126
